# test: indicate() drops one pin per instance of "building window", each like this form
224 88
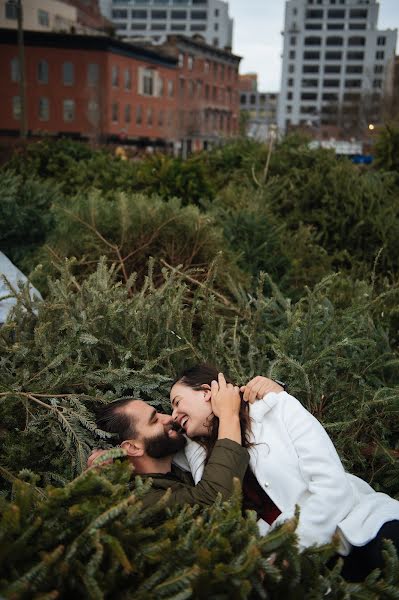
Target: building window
42 71
181 60
139 26
115 76
335 26
332 69
290 82
43 18
93 112
311 55
128 79
336 14
378 69
377 83
150 113
313 26
358 13
381 41
197 27
216 12
292 54
333 55
147 82
312 41
128 113
158 27
310 69
190 63
355 55
291 68
158 14
330 96
289 96
68 73
328 83
353 83
354 69
177 27
44 109
11 13
293 40
114 112
15 71
216 26
16 107
310 83
357 26
160 118
308 96
118 13
68 110
314 14
171 89
198 15
138 14
180 15
139 115
356 41
379 55
334 41
93 74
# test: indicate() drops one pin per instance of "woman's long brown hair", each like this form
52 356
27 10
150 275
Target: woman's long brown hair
197 377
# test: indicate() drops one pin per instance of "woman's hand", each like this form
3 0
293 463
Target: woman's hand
225 398
258 387
226 402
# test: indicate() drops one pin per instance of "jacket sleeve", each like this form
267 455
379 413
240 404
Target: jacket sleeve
227 461
330 494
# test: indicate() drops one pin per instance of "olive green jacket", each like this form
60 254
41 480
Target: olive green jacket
227 461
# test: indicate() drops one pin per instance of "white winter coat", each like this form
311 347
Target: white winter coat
295 462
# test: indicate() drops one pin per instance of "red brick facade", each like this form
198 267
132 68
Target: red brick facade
183 95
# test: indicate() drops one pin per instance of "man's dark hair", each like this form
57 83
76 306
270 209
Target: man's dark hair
113 418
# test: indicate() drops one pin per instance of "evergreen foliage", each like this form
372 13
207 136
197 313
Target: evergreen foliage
122 325
93 539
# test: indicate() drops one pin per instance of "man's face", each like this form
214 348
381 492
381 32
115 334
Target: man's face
155 430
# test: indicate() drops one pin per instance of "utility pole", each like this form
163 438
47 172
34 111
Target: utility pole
22 79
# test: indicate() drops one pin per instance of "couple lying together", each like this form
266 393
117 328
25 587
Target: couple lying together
265 437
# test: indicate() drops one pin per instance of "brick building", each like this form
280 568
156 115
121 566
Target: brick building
88 87
259 109
207 92
183 95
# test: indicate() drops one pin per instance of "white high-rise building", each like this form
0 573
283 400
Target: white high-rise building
155 19
337 66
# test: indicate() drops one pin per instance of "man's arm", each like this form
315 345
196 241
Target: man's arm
228 459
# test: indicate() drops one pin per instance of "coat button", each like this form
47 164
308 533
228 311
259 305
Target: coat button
266 484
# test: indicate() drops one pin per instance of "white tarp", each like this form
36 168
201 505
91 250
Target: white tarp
13 275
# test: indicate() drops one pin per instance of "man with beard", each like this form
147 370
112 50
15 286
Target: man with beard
151 440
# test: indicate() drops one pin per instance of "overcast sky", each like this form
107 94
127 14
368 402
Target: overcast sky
257 35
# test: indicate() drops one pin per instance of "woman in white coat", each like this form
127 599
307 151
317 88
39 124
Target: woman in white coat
292 462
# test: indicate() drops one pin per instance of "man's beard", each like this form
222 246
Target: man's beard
162 445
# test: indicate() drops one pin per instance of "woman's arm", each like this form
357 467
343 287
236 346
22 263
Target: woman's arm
330 494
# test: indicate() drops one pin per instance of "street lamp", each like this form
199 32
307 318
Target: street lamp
371 127
17 4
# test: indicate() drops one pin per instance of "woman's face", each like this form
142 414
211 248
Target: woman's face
192 409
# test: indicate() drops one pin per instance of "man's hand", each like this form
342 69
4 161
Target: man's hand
258 387
95 454
225 398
